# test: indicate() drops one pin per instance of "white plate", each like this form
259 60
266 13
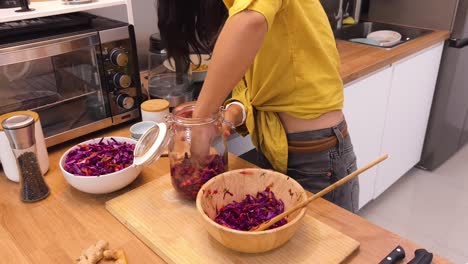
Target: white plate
385 37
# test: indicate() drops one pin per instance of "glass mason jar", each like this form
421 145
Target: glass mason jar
197 148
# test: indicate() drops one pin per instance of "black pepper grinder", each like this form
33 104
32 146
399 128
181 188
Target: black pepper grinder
19 130
24 6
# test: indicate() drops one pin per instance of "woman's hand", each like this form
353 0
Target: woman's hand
200 142
203 136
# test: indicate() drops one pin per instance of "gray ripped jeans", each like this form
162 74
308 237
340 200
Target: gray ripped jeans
317 170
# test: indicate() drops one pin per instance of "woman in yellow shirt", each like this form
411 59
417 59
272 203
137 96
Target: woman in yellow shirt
279 60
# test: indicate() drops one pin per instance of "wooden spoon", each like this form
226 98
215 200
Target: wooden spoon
332 187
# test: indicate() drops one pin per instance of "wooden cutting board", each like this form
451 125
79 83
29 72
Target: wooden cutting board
172 228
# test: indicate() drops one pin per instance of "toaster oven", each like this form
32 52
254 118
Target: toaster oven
79 79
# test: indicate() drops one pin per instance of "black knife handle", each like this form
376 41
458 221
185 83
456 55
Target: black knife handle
421 256
396 255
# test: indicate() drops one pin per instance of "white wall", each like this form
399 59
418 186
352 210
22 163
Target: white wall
145 22
436 14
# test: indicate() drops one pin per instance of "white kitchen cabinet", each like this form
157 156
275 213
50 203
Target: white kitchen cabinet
365 105
56 7
412 89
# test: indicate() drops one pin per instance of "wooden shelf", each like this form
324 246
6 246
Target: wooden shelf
54 7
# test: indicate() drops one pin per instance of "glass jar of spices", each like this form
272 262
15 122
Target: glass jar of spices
19 130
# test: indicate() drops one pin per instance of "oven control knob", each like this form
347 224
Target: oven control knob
121 80
125 101
118 57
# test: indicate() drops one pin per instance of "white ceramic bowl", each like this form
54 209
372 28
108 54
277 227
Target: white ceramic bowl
198 75
104 183
138 129
385 37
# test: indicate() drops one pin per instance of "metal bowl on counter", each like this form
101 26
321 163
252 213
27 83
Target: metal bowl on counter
104 183
234 186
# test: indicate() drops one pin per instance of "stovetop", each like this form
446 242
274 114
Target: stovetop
37 25
9 3
38 29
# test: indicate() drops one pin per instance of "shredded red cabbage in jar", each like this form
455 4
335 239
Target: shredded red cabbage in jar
252 211
104 157
187 178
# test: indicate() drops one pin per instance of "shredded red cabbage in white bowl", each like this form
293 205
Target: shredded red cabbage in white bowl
100 165
95 159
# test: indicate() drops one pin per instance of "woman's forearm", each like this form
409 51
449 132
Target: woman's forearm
238 43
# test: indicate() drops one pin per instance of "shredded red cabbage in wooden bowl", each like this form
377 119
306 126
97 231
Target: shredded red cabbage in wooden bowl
96 159
251 212
234 202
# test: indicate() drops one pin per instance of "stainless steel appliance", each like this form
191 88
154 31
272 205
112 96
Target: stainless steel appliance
79 78
24 4
9 3
448 125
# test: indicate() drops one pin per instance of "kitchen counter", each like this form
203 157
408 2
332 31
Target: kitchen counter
57 229
358 60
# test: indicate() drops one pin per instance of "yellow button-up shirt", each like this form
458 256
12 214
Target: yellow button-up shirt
296 71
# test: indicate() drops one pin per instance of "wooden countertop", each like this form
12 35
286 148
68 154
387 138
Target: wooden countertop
358 60
58 228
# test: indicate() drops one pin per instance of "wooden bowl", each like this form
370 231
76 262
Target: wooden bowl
213 195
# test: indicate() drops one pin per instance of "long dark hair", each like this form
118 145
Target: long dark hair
190 26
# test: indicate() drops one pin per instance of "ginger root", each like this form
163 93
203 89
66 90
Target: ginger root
99 251
102 245
115 254
94 253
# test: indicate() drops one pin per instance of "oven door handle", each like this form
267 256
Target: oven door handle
47 48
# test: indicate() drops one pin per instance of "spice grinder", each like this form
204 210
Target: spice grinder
19 130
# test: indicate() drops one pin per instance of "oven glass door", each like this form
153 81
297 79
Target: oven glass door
60 80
